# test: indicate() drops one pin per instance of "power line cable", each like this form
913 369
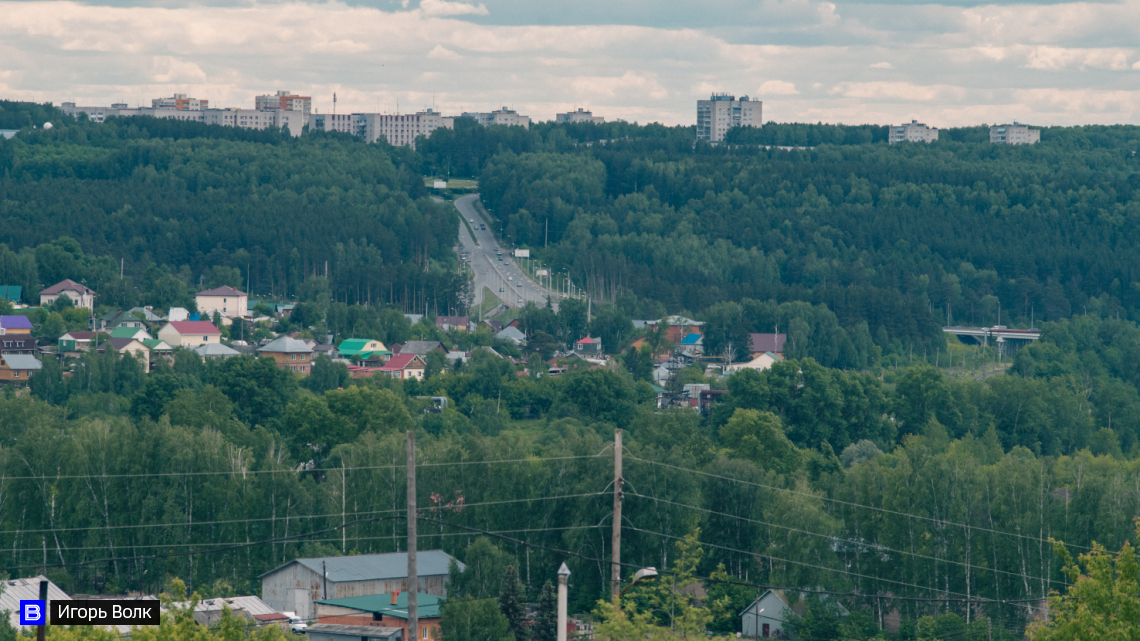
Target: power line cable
874 546
46 477
850 504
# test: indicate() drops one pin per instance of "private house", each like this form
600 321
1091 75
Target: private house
773 343
769 614
75 342
588 346
364 349
132 346
178 314
18 344
12 293
404 366
452 322
209 611
295 586
129 331
290 354
762 362
511 334
419 348
693 343
16 590
160 351
225 300
139 317
189 333
15 324
328 350
215 350
332 632
18 368
383 610
79 294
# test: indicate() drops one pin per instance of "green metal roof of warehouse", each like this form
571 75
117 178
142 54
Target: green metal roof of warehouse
427 605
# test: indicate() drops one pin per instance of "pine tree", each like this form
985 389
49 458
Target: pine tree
545 626
511 602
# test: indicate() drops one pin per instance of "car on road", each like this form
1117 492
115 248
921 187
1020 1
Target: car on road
520 285
297 625
472 220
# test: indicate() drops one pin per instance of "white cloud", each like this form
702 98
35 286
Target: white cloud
443 53
1047 64
777 88
445 8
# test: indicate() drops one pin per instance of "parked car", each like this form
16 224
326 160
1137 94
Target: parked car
297 625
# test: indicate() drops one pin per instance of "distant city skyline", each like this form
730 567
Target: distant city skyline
952 64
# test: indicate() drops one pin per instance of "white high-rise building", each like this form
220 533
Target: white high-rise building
180 102
915 131
580 115
722 112
503 116
244 118
286 101
1015 134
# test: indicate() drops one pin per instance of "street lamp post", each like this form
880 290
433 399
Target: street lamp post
640 575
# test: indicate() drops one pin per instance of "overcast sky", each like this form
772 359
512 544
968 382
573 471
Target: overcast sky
957 63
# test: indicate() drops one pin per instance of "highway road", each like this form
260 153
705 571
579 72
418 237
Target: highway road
497 272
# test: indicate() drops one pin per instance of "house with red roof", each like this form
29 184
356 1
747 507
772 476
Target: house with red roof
589 346
404 366
190 333
79 294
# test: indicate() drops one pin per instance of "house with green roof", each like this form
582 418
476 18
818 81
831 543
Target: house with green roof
12 293
365 349
387 610
137 333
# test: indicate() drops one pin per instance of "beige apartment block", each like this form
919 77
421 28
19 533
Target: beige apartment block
915 131
580 115
1015 134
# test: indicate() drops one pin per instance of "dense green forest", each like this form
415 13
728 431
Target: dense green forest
179 206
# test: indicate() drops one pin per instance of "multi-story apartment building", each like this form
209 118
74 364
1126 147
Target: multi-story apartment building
915 131
286 101
180 102
502 116
580 115
244 118
1015 134
722 112
398 130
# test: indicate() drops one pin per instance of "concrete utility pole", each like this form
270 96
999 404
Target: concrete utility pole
615 560
563 575
41 630
413 584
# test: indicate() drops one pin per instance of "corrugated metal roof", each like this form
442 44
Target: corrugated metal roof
371 567
250 604
22 362
286 345
427 604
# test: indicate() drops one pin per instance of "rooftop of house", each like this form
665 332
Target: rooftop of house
768 342
286 345
194 327
11 293
224 290
373 567
427 605
401 361
22 362
126 332
15 321
215 349
420 347
692 339
66 285
354 631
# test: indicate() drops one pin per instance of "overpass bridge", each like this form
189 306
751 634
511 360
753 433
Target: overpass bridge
1005 338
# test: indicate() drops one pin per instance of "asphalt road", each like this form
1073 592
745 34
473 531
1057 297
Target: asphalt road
503 277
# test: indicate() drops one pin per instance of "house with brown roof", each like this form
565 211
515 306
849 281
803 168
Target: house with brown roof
189 333
225 300
17 344
129 347
404 366
289 353
773 343
79 294
452 322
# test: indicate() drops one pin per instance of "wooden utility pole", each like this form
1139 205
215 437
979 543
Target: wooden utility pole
615 543
413 584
